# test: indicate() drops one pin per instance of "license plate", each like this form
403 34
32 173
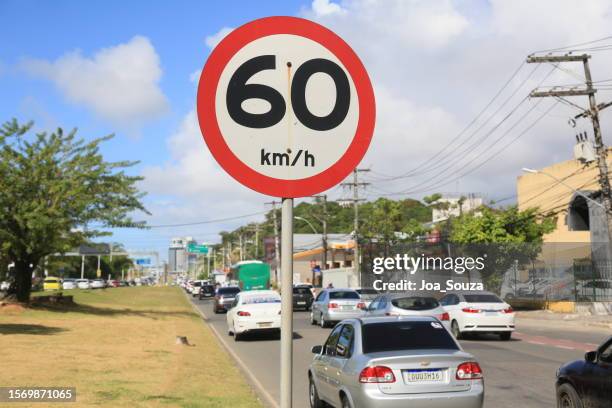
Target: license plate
301 303
347 307
423 376
490 313
264 324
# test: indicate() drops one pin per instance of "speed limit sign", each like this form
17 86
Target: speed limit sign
286 107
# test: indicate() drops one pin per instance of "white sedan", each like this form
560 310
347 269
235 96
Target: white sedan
478 312
69 284
83 284
257 310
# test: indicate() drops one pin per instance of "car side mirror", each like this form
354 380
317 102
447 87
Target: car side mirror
591 356
316 349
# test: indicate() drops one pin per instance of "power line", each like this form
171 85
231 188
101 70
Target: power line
207 221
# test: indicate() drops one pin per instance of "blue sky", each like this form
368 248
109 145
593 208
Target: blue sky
129 67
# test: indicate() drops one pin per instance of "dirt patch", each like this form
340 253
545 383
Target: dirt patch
11 308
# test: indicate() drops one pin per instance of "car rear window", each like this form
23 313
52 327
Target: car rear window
399 336
349 294
228 291
415 303
302 291
196 284
208 288
367 291
50 280
483 298
255 300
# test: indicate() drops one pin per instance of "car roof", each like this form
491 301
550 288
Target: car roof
407 295
472 292
253 293
340 290
391 319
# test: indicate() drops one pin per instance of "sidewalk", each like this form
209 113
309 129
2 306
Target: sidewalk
566 320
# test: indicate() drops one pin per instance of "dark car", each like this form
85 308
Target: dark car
206 291
587 383
224 298
302 298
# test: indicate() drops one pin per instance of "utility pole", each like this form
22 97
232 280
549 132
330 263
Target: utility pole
256 241
241 250
276 242
355 186
323 197
593 113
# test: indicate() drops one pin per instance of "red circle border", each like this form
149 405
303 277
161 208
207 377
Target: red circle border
206 108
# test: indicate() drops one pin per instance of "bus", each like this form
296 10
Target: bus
251 275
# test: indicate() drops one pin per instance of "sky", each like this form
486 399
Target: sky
131 68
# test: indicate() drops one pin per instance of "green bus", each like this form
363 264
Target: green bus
251 275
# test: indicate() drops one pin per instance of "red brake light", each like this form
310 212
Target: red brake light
470 310
241 313
361 305
508 310
378 374
332 306
444 316
469 371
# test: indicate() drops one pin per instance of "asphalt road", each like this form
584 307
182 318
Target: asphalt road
518 373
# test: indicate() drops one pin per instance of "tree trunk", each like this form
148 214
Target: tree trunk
23 280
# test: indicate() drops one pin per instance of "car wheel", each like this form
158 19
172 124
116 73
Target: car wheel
237 336
345 402
455 330
312 319
505 336
313 395
322 322
567 397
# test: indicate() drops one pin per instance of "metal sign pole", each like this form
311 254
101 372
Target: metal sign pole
286 384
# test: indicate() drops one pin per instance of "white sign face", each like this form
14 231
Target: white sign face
290 148
286 107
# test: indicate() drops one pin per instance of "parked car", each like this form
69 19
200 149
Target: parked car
123 283
478 312
195 288
69 283
404 361
224 298
52 283
302 298
83 284
334 305
367 295
400 304
98 284
252 311
112 283
206 291
587 383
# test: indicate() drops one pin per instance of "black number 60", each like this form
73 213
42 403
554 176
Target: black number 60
239 91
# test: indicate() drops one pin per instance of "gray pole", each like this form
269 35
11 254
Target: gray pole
276 243
82 266
286 385
356 226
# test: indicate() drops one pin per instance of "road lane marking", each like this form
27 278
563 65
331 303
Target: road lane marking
558 343
261 390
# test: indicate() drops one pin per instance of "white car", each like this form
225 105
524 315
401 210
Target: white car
69 284
83 284
478 312
403 304
195 287
256 310
98 284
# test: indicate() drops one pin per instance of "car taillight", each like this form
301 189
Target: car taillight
508 310
470 310
332 306
444 316
469 371
220 298
361 305
241 313
377 374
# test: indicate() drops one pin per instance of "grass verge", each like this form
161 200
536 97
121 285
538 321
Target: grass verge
117 347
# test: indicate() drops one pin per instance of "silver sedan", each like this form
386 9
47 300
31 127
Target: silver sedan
334 305
389 362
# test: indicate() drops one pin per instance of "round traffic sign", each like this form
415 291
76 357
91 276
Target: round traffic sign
286 107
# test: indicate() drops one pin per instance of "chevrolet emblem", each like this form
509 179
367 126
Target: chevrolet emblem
425 363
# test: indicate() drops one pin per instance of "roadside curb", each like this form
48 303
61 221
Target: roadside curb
256 385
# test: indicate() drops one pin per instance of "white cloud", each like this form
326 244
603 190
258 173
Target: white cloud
195 76
119 84
212 40
326 7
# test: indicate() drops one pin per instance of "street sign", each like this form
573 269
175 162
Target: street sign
197 249
286 107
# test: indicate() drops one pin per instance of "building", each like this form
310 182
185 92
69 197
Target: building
179 260
309 255
447 207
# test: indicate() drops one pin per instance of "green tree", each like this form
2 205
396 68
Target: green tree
504 235
53 187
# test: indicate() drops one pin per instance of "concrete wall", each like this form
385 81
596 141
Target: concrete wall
341 278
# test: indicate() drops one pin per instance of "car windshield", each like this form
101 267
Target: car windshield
302 291
415 303
399 336
482 298
253 300
196 284
229 291
349 294
207 288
